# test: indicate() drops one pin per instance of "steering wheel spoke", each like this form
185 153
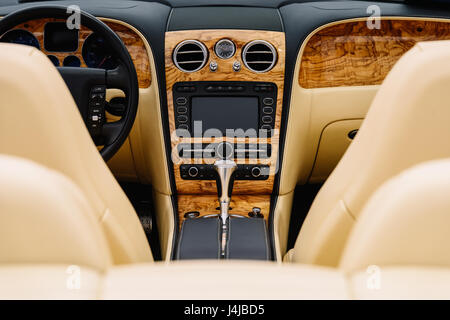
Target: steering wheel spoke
117 78
111 131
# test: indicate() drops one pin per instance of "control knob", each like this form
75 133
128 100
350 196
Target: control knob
193 172
256 172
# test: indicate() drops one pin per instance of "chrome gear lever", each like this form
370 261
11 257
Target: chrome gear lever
225 170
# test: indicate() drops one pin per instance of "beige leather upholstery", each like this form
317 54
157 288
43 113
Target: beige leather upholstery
49 282
223 280
45 218
51 244
405 222
403 282
406 124
40 121
400 246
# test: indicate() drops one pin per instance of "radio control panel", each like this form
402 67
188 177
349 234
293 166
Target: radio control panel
235 104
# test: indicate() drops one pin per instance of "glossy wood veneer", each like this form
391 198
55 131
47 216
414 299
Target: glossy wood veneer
208 204
131 39
351 54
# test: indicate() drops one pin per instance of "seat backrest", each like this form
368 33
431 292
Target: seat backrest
49 235
406 222
400 246
408 123
39 120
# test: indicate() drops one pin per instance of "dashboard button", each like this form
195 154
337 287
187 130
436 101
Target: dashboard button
98 89
182 119
267 119
268 110
181 101
183 126
266 127
268 101
181 110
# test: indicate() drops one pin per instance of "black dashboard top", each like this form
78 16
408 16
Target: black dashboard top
208 3
191 18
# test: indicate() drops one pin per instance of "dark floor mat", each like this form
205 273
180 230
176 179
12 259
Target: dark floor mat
140 196
303 198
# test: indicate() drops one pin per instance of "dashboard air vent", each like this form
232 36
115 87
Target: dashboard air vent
190 55
259 56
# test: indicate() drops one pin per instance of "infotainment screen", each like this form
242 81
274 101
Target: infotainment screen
57 37
225 113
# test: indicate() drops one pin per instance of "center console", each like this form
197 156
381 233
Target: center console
224 96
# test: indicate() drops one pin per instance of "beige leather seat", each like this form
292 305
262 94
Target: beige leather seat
408 123
400 246
51 244
52 247
40 121
205 280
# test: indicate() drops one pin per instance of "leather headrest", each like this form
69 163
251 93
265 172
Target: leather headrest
46 219
405 222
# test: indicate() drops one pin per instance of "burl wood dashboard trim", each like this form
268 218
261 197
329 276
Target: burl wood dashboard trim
208 205
131 39
224 73
348 53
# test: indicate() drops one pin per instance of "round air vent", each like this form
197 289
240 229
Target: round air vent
190 55
259 56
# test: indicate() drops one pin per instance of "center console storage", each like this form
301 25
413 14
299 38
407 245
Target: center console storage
200 238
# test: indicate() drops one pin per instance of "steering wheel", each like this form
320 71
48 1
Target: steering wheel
88 85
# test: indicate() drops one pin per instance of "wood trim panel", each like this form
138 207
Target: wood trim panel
350 54
132 41
224 73
207 204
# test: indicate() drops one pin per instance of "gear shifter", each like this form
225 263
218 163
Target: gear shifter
224 169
